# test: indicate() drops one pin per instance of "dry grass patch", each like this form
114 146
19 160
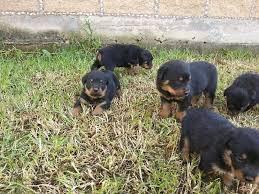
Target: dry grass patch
127 149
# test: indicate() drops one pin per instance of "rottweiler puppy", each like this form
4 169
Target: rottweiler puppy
184 83
123 55
99 89
225 150
243 94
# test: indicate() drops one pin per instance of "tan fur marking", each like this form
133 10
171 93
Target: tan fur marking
89 93
227 158
239 174
177 93
168 88
236 172
227 177
145 65
98 109
165 110
180 115
186 150
77 111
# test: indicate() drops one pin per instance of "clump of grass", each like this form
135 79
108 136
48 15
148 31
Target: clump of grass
127 149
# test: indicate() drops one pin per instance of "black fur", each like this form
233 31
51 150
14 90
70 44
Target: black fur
123 55
210 135
243 94
197 78
104 82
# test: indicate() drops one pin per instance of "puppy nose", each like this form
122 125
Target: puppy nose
95 89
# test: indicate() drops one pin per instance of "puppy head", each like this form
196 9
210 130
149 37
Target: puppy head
238 99
145 59
174 78
242 154
95 84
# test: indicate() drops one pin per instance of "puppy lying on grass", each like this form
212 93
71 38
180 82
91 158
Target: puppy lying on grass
243 93
123 55
183 83
226 150
100 87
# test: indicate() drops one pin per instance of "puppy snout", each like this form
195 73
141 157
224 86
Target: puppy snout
95 89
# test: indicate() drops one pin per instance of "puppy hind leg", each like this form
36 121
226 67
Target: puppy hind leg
77 109
208 101
185 149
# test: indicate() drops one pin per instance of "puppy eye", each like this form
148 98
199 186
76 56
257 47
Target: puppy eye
242 158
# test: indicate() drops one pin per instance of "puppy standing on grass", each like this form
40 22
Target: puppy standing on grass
100 87
243 94
123 55
223 148
184 83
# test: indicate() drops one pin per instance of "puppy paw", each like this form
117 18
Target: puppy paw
77 111
227 180
97 111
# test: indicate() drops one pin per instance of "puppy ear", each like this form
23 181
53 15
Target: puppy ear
161 73
226 91
143 53
84 78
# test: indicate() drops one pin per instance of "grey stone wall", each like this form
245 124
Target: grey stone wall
202 23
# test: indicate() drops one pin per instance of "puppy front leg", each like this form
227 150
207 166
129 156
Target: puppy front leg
185 148
165 108
77 109
181 110
209 163
101 107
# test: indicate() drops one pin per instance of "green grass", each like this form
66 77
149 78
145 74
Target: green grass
127 149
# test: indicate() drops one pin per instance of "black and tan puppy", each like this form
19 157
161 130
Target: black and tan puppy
99 89
184 83
243 94
224 149
123 55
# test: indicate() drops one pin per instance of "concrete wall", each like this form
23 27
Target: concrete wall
166 22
